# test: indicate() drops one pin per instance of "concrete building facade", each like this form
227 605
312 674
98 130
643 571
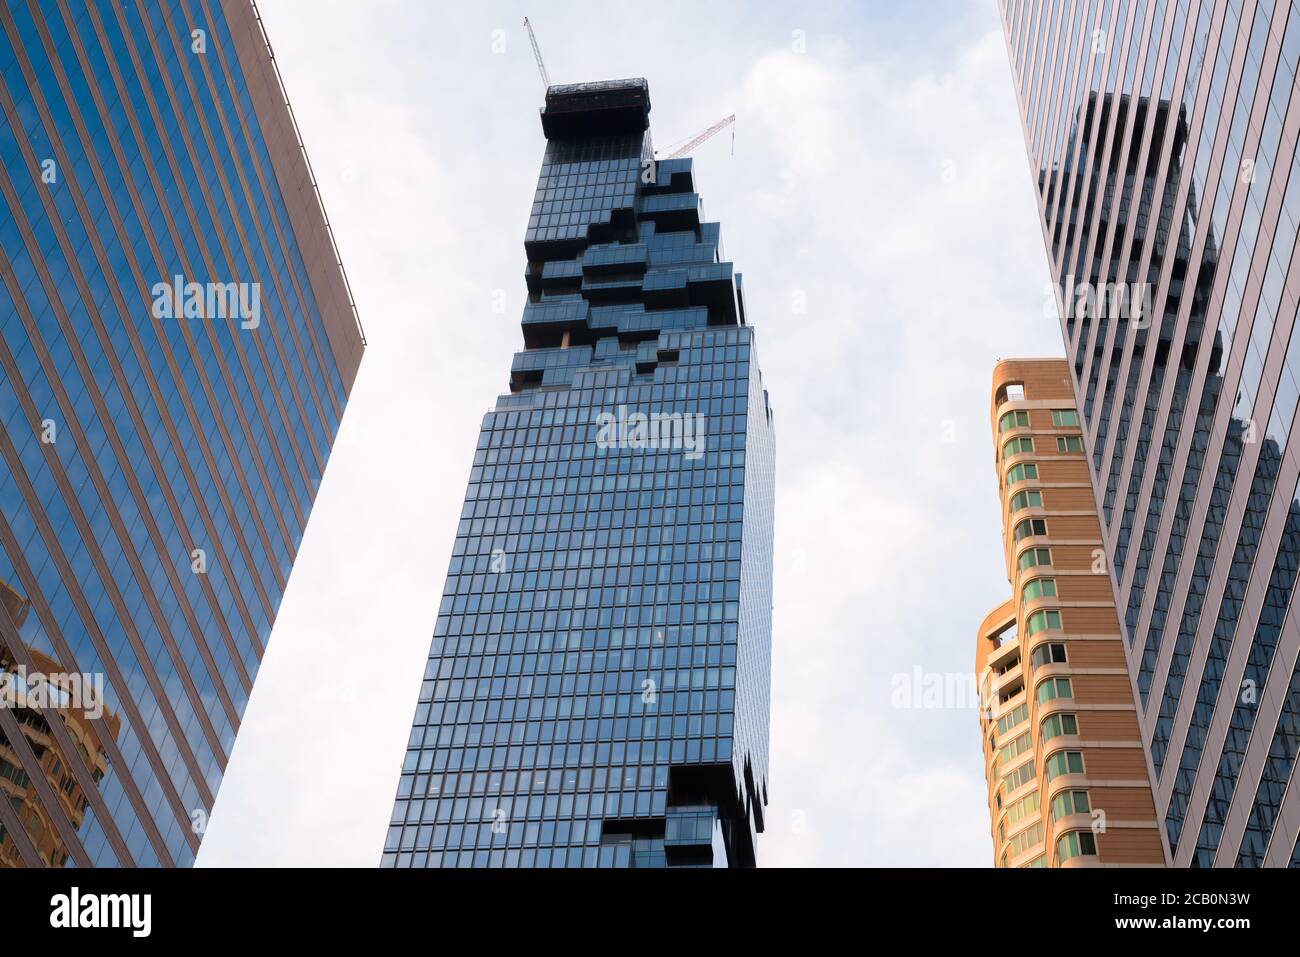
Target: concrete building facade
1066 770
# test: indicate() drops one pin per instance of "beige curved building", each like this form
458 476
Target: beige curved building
1068 783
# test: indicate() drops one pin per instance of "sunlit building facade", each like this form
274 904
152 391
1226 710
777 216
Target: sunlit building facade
177 344
1162 139
1065 767
596 693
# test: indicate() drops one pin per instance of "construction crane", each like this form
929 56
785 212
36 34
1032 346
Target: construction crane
537 54
695 141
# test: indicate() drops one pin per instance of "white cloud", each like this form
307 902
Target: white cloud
887 537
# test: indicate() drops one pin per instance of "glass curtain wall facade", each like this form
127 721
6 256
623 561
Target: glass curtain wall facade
1162 136
177 344
596 692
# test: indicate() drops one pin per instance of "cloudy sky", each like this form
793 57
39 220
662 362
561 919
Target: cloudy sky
879 205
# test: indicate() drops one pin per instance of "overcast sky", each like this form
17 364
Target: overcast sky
880 207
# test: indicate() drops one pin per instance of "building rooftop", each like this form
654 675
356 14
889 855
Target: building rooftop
605 107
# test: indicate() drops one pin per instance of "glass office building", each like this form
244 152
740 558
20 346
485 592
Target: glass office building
177 344
596 693
1162 136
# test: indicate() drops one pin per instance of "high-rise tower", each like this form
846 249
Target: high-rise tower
177 344
1066 772
1162 136
596 692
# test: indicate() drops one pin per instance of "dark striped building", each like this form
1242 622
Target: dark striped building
1162 138
177 344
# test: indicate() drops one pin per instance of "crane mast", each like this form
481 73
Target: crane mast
537 54
699 138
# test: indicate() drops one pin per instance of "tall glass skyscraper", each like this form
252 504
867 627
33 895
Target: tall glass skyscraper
177 344
597 688
1162 135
